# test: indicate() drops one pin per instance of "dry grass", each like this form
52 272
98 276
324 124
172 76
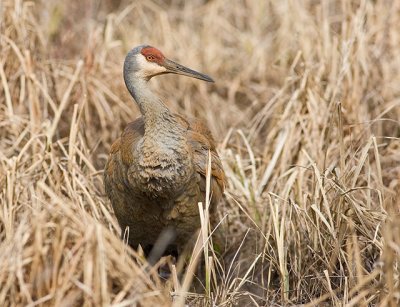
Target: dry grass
306 107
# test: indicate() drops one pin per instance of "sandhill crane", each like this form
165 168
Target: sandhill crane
155 174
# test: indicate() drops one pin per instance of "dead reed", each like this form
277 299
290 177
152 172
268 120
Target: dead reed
306 107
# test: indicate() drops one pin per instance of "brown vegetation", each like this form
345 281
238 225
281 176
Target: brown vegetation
306 110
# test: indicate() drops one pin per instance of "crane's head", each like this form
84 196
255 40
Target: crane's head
146 62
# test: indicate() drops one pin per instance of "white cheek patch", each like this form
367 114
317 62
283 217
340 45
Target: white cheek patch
148 69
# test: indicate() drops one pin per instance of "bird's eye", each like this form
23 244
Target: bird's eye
150 58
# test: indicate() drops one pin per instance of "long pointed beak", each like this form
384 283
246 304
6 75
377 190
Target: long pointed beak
179 69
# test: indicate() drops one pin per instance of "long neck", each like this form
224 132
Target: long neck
158 119
149 104
164 142
155 112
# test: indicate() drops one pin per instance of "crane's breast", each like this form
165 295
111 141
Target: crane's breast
162 166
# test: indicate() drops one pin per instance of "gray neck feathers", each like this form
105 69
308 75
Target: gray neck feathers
164 153
157 117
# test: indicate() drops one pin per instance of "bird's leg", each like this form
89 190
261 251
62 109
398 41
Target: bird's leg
162 245
163 248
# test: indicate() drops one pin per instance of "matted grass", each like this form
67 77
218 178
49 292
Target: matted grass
306 109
